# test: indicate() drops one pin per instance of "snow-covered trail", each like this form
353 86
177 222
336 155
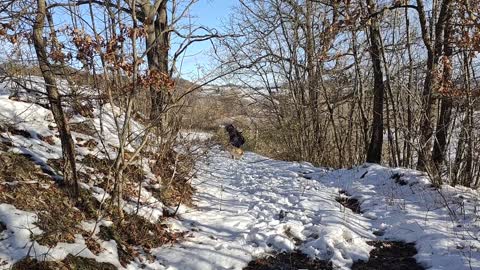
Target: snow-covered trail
249 207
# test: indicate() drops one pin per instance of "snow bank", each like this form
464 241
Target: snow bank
442 223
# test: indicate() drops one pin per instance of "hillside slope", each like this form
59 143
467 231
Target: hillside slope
243 210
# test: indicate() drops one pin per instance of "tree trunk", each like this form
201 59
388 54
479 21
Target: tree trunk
407 153
68 147
158 43
374 153
433 53
462 167
312 82
441 134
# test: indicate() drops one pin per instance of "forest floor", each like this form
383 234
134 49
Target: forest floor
252 213
280 215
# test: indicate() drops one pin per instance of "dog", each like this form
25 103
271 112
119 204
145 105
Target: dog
236 140
236 153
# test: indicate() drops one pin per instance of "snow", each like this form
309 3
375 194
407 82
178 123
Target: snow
255 206
416 212
25 116
15 240
240 204
16 243
250 207
193 135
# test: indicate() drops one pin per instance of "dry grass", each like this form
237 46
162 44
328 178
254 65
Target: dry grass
135 231
85 109
91 144
174 189
133 175
69 263
288 261
102 166
85 127
16 167
25 186
92 244
175 171
59 217
98 166
59 223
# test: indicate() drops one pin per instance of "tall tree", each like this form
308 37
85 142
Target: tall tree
433 41
374 153
157 43
443 123
54 98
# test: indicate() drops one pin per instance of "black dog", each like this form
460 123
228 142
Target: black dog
235 136
236 141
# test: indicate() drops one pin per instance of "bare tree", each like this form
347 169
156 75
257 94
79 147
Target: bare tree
374 153
446 105
68 147
433 41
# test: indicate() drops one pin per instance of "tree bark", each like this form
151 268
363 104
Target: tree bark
157 44
441 134
434 50
407 153
68 147
312 82
374 153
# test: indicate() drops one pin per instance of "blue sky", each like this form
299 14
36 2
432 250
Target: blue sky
209 13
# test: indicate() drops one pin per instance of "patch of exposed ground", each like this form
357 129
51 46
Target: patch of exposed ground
27 134
348 202
175 171
3 227
5 143
398 178
391 255
135 232
69 263
85 127
25 186
15 167
287 261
